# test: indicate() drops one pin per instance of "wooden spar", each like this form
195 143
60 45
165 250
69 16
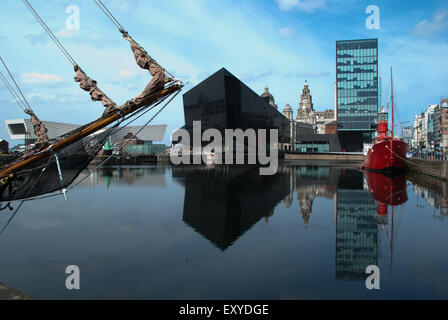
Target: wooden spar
88 130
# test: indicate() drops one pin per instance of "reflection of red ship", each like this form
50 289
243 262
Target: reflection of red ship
387 191
388 153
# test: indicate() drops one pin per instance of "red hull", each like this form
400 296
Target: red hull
387 155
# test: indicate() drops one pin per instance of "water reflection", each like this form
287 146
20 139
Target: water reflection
199 232
222 203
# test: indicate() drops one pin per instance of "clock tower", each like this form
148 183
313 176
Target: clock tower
306 100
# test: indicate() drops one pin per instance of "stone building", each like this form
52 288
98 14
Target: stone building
269 97
307 114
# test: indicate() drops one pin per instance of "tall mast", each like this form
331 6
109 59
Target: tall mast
392 101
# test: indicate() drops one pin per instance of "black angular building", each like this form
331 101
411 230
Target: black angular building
222 102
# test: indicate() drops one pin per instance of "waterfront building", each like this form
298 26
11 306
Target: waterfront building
428 127
408 135
357 92
443 123
418 128
4 146
144 137
434 128
307 114
331 128
269 97
222 102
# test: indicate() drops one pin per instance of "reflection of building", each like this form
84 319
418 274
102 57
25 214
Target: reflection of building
222 203
356 228
357 91
313 182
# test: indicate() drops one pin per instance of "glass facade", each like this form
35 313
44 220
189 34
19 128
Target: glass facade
357 84
313 146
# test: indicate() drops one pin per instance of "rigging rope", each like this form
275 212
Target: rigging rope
108 158
24 102
13 93
106 11
50 33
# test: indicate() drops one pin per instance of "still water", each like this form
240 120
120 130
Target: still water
158 232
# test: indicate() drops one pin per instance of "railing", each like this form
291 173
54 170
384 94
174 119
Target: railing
442 156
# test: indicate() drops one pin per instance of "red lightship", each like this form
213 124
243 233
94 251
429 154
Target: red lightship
388 153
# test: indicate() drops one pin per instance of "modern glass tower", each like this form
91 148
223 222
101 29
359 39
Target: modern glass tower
357 91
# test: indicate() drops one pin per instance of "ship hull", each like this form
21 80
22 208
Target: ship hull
387 156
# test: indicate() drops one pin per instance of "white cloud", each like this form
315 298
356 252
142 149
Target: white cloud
287 32
427 27
40 78
67 33
301 5
126 73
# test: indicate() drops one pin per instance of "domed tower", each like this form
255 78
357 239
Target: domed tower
269 97
288 113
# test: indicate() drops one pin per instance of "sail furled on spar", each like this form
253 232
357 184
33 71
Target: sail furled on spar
145 61
38 126
90 85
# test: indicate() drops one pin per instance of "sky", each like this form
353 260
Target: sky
275 43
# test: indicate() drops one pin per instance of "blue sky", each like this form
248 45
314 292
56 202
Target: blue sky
279 43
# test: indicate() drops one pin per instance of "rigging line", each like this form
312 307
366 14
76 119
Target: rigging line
108 158
13 93
23 201
106 11
18 88
120 27
50 33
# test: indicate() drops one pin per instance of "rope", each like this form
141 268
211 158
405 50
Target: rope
108 158
13 93
406 160
50 33
106 11
23 201
17 86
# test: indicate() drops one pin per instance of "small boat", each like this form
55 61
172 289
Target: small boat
388 153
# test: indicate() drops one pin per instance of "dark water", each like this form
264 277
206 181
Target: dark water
227 233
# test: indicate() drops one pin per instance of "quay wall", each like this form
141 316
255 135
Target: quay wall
342 157
433 168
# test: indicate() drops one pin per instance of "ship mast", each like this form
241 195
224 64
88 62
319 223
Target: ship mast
392 101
